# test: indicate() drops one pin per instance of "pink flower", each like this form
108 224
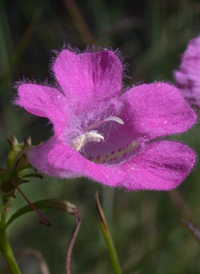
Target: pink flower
188 75
106 137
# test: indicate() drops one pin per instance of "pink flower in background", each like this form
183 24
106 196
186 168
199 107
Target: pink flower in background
188 75
109 138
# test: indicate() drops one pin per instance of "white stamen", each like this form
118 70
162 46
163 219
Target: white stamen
112 118
79 142
94 136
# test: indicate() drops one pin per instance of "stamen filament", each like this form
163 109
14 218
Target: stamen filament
112 118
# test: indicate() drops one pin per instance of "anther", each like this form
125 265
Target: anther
79 142
92 136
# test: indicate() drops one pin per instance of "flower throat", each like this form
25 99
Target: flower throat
92 135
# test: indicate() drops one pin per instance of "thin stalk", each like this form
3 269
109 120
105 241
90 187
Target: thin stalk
5 247
108 238
6 251
79 21
77 215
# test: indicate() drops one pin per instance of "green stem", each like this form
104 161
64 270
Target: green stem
5 247
108 238
7 252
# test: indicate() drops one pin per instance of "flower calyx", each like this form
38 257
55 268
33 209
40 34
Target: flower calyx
16 155
17 167
7 188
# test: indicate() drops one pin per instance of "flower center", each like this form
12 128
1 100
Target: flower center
92 135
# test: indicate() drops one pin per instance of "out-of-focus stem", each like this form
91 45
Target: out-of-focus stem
180 204
79 21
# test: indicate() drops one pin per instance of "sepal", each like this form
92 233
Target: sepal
16 155
7 189
17 167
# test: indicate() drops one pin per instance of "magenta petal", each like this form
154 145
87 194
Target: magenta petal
154 110
46 102
58 160
39 157
188 75
88 79
161 166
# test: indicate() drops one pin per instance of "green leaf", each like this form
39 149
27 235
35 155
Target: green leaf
59 205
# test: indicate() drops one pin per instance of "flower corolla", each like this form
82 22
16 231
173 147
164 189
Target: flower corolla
188 76
104 134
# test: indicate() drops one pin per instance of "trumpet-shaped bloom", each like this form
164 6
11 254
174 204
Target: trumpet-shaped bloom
188 75
104 136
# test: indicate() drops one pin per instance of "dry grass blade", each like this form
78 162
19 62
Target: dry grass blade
79 21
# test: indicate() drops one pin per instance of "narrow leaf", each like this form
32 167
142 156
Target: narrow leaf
32 175
108 238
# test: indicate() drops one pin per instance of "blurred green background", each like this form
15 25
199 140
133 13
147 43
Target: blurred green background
145 227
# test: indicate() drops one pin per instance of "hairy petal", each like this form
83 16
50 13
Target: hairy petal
45 102
161 166
40 158
58 160
154 110
88 79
